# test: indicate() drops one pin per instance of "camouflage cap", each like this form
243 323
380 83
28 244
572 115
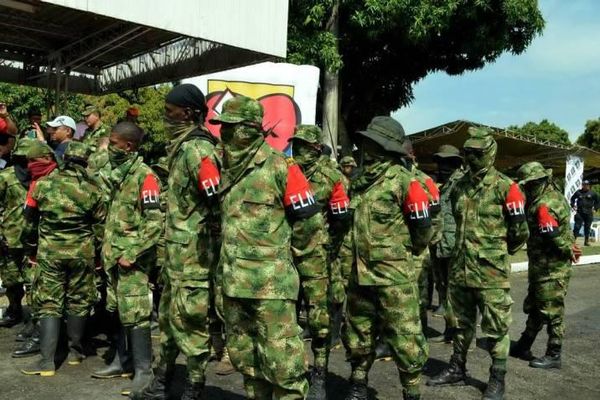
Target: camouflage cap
479 138
22 146
308 133
387 132
240 109
447 151
91 109
77 150
39 149
348 161
532 171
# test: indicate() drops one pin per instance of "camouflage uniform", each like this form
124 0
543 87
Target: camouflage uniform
391 226
262 194
549 249
490 220
312 247
91 137
190 236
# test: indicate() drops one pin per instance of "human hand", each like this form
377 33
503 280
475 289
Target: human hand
576 253
123 263
3 110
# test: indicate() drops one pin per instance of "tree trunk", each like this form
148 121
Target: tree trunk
331 86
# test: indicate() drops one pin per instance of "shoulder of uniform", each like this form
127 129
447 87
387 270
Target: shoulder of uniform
396 170
328 170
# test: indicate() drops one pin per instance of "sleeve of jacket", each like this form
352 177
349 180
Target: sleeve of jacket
298 199
514 211
415 205
574 198
152 219
553 224
29 234
98 217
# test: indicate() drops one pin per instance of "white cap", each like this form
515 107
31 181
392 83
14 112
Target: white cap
63 120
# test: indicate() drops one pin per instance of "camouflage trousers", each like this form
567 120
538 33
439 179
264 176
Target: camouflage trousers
132 291
392 313
441 269
189 324
12 268
63 287
495 308
263 339
168 345
545 305
314 292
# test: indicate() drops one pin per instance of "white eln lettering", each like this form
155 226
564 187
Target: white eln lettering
210 186
150 196
546 228
299 202
516 208
417 212
339 207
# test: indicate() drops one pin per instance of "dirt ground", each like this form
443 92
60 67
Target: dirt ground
579 378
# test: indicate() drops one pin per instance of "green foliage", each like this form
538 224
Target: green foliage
385 46
591 135
545 130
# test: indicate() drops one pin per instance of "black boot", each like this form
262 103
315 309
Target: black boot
383 351
30 347
14 311
141 347
75 330
408 396
550 360
358 391
495 386
318 384
122 363
522 348
49 333
192 390
452 374
159 388
28 327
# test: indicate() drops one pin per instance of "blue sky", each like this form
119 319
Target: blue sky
557 78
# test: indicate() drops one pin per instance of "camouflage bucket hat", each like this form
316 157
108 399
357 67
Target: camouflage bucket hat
387 132
39 149
240 109
531 172
308 133
479 138
77 150
91 109
348 161
447 151
22 147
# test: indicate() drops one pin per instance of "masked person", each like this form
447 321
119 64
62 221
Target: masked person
262 196
132 229
315 244
449 163
391 226
584 202
191 236
551 249
61 209
348 166
489 210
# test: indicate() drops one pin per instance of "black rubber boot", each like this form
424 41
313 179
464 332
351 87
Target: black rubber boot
383 351
122 363
192 390
522 348
318 384
28 327
495 386
453 374
49 334
550 360
358 391
141 347
408 396
75 331
159 388
14 311
30 347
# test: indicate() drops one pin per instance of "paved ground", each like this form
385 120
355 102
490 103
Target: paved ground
579 379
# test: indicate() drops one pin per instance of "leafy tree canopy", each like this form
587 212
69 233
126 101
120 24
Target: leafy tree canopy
591 135
545 130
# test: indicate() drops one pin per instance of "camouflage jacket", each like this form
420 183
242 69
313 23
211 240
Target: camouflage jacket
92 136
549 247
258 213
421 261
64 207
192 209
134 221
391 226
490 221
12 197
447 230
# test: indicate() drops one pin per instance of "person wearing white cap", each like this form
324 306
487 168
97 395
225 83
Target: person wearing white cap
61 130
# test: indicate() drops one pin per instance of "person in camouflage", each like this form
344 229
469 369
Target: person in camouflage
262 195
449 163
489 209
314 246
191 231
348 166
96 128
391 225
61 209
551 249
132 229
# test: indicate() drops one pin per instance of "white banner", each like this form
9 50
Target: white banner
573 177
287 92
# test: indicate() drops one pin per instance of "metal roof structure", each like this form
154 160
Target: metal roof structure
514 149
102 46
